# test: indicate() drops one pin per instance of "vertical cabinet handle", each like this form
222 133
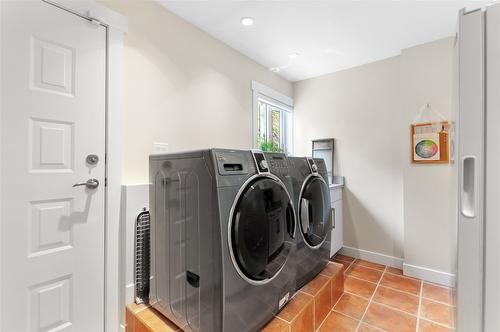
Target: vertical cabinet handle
468 187
333 218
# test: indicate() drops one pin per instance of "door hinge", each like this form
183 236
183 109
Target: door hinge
105 182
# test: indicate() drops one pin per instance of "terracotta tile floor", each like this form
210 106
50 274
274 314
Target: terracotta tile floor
380 298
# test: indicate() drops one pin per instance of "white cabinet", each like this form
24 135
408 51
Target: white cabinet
337 238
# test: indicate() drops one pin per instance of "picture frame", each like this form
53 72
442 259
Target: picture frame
430 142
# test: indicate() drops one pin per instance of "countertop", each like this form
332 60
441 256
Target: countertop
338 182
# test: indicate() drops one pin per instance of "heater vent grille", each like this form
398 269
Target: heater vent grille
142 257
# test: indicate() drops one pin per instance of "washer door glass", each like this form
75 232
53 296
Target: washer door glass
314 217
262 228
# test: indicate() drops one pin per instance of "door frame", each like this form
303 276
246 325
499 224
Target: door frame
492 192
116 27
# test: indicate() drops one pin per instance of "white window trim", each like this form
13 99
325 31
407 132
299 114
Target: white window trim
275 98
271 93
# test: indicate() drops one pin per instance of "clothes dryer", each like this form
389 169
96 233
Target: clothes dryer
222 240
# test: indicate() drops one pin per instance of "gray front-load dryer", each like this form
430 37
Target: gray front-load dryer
222 243
313 208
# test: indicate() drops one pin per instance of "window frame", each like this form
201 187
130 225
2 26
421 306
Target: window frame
277 100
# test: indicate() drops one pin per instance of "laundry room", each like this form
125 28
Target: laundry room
244 166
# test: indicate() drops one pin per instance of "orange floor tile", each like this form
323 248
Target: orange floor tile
381 298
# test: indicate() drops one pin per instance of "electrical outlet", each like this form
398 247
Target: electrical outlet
159 147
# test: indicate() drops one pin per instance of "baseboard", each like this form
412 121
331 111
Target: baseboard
372 256
424 273
129 293
420 272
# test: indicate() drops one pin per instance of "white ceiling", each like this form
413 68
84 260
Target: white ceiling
328 35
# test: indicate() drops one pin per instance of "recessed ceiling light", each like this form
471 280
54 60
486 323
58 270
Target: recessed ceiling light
275 69
293 55
247 21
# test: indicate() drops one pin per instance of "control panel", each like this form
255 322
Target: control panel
312 165
261 162
278 163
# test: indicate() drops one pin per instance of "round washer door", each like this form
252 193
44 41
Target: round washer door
314 214
261 227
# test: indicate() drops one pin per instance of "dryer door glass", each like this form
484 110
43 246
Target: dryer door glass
261 229
314 206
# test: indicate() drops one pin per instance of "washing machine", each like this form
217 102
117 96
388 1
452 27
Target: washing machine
222 240
314 217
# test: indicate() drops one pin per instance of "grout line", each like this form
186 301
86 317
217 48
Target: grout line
382 304
372 268
392 288
395 309
371 282
440 324
356 295
323 322
385 270
439 285
444 303
420 304
314 313
364 298
357 319
373 327
342 313
283 319
399 290
371 298
333 305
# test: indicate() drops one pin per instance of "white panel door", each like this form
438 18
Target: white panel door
53 117
470 172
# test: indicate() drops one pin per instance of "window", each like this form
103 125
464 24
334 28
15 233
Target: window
272 120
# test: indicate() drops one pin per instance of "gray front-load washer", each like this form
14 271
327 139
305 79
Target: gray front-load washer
222 243
313 207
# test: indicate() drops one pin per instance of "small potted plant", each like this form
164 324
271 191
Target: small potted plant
265 144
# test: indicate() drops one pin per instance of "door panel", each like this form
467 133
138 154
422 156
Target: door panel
314 211
261 228
470 169
53 116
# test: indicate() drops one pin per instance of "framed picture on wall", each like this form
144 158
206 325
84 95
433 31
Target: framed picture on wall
430 142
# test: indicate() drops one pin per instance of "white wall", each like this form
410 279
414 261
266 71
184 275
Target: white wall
358 107
391 206
429 198
183 87
187 89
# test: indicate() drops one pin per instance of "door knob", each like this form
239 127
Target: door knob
90 184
